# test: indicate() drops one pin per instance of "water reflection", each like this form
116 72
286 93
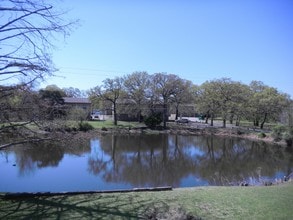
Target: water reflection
167 159
229 161
33 157
142 161
112 161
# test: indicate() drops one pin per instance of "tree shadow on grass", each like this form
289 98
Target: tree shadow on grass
91 206
68 207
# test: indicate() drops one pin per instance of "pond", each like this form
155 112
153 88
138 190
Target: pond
112 162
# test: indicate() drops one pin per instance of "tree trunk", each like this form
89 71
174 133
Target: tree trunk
165 115
264 120
224 123
212 120
256 122
139 116
115 113
231 118
207 117
177 113
237 121
207 120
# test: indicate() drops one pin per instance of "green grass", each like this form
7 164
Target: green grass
273 202
120 124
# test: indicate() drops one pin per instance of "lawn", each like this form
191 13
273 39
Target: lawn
120 124
271 202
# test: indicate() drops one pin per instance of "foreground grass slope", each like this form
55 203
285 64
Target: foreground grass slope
273 202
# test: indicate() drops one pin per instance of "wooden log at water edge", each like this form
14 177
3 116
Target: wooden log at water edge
39 194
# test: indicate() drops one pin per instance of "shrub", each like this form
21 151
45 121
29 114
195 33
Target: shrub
153 120
239 132
288 136
281 132
278 132
262 135
85 126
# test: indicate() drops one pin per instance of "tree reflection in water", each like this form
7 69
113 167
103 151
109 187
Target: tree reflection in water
35 156
157 160
149 161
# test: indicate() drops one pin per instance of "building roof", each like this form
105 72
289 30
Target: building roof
70 100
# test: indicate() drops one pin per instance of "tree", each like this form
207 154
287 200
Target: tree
207 101
266 103
164 87
227 95
18 105
74 92
52 102
27 32
222 97
110 91
182 94
136 86
240 106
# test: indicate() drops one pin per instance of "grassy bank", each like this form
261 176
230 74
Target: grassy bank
120 124
273 202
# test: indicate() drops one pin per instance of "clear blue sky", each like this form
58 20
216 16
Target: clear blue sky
197 40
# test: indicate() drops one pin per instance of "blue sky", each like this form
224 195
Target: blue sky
197 40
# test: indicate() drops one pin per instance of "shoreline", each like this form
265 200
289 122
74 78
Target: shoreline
235 132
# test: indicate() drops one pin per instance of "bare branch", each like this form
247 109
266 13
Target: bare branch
27 36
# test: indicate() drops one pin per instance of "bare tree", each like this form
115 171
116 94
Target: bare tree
164 87
26 38
28 30
182 94
136 86
110 91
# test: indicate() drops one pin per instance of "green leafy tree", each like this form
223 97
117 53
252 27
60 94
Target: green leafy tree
240 106
153 120
207 101
224 98
52 102
266 103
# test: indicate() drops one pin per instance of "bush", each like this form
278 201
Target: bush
153 120
281 132
85 126
262 135
278 132
288 136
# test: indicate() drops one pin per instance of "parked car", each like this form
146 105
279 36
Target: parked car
95 117
182 121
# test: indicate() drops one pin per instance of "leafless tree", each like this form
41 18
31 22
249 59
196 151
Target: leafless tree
28 31
110 92
26 36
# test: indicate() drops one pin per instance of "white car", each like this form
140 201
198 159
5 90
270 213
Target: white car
95 116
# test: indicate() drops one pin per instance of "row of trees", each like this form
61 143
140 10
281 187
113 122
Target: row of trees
27 33
144 94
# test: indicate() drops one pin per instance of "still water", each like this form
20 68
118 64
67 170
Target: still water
111 162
